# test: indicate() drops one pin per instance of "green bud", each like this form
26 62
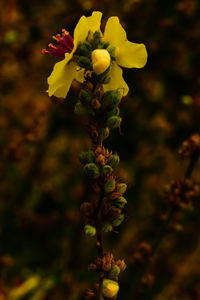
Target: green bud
114 271
118 221
97 39
92 170
105 45
80 109
87 157
110 288
84 49
114 122
109 186
121 188
110 49
107 169
120 202
105 133
107 227
113 112
85 96
111 99
84 62
89 230
113 160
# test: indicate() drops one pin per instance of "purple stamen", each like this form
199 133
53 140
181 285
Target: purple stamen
65 44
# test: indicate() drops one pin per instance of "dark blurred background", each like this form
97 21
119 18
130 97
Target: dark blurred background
44 254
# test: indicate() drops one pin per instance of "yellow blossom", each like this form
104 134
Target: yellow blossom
127 54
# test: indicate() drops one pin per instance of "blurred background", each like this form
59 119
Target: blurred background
43 252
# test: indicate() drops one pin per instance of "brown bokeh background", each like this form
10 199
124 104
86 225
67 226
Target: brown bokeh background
41 184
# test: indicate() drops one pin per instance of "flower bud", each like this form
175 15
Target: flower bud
95 104
85 96
114 272
87 157
105 133
113 112
111 99
110 288
118 221
113 160
107 227
84 62
92 170
109 186
84 49
110 48
121 264
100 60
114 122
80 109
89 230
107 169
120 202
121 188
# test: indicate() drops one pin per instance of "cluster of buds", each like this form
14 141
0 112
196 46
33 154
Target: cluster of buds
95 57
99 167
180 194
109 268
95 54
190 146
102 107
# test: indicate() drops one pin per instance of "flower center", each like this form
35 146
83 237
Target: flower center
100 60
65 44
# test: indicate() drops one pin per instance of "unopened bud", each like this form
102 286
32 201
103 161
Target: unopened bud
110 288
89 230
84 62
84 49
121 264
113 112
85 96
120 202
95 104
111 49
80 109
105 133
107 169
113 160
100 60
109 186
121 188
107 227
114 122
118 221
114 272
87 157
111 99
92 170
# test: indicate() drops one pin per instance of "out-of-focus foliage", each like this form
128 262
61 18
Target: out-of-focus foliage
44 254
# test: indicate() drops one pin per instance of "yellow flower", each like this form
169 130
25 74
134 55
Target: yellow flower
129 55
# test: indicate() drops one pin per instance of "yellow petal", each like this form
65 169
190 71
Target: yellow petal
61 78
80 75
132 55
80 32
117 81
114 32
94 21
